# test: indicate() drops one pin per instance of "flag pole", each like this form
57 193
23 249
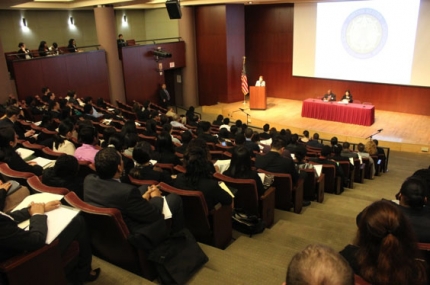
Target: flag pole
244 81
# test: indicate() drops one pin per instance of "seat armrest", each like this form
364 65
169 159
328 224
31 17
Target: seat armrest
267 206
298 196
268 192
221 226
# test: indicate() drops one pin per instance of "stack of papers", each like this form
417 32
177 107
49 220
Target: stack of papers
44 162
223 164
24 153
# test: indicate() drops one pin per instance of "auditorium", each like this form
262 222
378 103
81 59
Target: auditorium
345 101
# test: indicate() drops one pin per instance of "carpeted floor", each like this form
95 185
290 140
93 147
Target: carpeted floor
263 258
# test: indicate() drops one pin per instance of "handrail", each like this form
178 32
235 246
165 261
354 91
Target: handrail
154 41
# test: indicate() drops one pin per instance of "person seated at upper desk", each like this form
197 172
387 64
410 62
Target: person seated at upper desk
347 97
23 51
329 96
260 81
72 46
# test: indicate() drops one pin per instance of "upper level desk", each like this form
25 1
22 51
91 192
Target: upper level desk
358 114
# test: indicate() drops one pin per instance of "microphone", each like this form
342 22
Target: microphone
242 109
380 130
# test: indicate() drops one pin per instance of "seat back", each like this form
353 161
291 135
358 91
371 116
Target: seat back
85 168
166 166
313 186
113 247
9 174
332 183
349 174
195 212
246 197
42 266
50 154
38 187
140 182
368 170
358 171
37 148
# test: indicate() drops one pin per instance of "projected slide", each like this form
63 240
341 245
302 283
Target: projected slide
371 41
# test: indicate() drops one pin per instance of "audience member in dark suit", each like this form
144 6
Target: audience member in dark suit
164 150
385 249
265 135
224 137
314 142
240 167
116 141
164 96
347 152
273 161
219 120
205 134
412 201
337 156
12 114
151 128
141 208
249 144
14 240
144 170
120 41
305 137
199 177
186 137
23 51
72 46
65 174
324 158
293 145
8 141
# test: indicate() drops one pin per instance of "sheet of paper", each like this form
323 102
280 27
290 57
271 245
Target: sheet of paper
318 169
166 209
38 198
262 176
351 160
223 164
24 153
225 188
44 162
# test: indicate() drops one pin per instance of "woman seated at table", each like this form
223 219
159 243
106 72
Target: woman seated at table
347 96
240 167
8 142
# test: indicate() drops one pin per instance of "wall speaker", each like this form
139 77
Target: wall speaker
174 9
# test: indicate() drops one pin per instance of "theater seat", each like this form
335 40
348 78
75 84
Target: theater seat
44 266
9 174
287 195
140 182
211 227
247 198
38 187
113 247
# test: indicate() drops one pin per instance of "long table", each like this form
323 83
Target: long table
357 114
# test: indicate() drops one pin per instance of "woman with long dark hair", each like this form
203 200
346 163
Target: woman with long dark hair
165 150
198 176
43 49
385 249
240 167
61 141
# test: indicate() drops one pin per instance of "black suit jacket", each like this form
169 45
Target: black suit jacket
14 240
141 217
16 126
208 138
252 146
15 162
314 143
274 162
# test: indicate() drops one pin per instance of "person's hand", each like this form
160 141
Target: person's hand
5 186
156 192
32 163
36 208
217 169
52 205
29 133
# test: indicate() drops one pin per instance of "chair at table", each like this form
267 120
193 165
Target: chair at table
211 227
113 247
38 187
286 194
9 174
247 198
44 266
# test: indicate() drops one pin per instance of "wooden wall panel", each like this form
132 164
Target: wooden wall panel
86 73
269 50
141 77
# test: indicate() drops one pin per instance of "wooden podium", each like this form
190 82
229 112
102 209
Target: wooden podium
257 98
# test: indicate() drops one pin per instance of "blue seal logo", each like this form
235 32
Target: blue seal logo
364 33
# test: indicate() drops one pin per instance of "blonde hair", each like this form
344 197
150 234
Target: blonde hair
370 148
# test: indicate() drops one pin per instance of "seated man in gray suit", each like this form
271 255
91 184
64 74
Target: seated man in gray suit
141 208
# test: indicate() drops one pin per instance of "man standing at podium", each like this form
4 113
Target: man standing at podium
164 96
260 81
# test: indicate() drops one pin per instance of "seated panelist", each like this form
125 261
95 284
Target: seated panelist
329 96
347 97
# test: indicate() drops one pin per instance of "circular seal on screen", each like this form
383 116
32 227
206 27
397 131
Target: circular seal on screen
364 33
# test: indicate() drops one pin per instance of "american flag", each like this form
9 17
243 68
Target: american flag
244 79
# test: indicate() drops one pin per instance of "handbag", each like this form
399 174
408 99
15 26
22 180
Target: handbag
177 258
